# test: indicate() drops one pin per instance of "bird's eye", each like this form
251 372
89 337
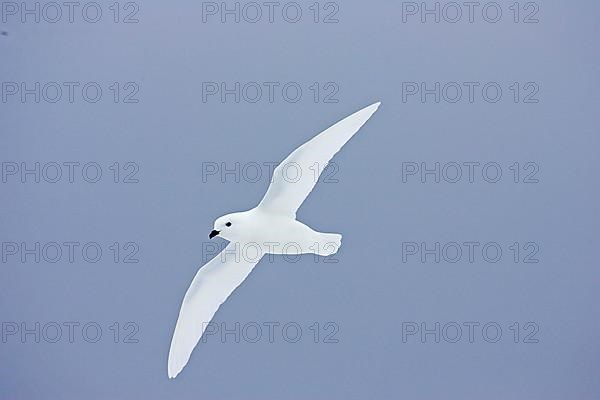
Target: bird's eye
228 224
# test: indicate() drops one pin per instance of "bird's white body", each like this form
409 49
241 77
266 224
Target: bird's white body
285 235
269 228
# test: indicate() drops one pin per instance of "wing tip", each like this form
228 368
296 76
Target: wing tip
375 106
174 364
173 372
369 110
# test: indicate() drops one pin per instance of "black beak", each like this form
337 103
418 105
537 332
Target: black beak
213 234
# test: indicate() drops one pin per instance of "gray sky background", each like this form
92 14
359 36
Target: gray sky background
370 294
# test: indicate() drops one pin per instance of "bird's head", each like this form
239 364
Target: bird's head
226 226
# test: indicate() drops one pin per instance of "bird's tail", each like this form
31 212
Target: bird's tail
328 244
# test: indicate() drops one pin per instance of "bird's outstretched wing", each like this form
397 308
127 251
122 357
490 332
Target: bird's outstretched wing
212 285
295 177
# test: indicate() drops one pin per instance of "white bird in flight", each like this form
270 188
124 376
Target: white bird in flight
269 228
